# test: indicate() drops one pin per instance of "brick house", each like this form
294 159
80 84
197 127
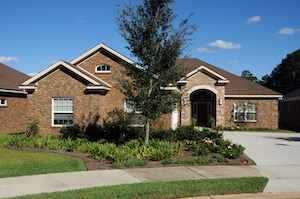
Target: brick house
290 110
85 88
13 101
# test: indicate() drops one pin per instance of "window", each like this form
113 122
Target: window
202 95
62 111
245 112
3 102
103 68
136 117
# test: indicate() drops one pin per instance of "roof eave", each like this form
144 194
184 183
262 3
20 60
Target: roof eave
253 96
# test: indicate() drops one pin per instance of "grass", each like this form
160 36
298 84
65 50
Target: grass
20 163
171 189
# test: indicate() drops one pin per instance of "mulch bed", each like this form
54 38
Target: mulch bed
94 164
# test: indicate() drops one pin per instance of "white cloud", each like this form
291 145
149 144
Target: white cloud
219 44
80 21
287 31
8 59
206 50
253 20
31 74
233 62
215 46
54 61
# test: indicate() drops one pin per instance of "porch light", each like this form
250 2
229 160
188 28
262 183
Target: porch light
184 101
220 101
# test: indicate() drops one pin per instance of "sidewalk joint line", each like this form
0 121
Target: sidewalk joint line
188 167
58 181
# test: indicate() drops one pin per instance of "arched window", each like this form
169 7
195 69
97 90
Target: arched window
103 68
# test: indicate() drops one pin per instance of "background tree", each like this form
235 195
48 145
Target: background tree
151 38
249 76
286 76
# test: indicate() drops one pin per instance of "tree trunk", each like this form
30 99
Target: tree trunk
147 132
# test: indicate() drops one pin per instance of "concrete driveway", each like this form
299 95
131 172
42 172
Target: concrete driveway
276 154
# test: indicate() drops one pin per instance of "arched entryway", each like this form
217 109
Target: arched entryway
203 106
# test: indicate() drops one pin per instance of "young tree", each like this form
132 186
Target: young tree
151 38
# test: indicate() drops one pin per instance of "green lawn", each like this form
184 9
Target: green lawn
171 189
20 163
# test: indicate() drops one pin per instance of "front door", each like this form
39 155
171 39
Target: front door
202 114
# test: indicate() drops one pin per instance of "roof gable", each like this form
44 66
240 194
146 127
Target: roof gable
93 80
10 78
237 86
220 79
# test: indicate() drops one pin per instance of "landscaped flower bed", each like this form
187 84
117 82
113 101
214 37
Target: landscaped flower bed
207 147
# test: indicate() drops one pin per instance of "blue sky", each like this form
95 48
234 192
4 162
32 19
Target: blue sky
234 35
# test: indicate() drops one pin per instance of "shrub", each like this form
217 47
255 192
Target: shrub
33 126
201 160
100 151
117 165
212 160
190 161
121 154
222 159
202 150
167 161
179 161
72 131
135 162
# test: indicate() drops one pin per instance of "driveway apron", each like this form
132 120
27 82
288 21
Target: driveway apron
276 154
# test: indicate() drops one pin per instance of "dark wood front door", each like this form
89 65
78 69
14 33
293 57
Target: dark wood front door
202 114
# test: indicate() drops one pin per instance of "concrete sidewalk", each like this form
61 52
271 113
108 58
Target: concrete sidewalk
24 185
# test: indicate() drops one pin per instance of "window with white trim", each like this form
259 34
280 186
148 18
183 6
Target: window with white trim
245 112
103 68
136 117
3 102
62 111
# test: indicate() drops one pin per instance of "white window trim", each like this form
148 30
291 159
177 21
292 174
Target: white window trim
53 112
106 71
246 112
5 102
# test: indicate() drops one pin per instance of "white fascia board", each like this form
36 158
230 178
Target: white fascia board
54 66
182 82
28 87
95 77
97 88
223 81
11 91
171 89
206 69
253 96
101 45
44 72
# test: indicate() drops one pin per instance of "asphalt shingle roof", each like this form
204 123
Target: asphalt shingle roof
10 78
236 86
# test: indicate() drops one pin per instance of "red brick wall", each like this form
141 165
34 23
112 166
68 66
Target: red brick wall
114 98
86 106
201 79
267 113
61 84
13 118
